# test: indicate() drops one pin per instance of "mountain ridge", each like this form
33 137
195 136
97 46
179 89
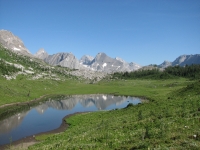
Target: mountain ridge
101 62
182 60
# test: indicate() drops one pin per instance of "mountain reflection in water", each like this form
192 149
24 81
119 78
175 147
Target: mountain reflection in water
101 102
50 114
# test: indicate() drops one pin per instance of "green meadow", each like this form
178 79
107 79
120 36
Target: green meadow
169 118
24 90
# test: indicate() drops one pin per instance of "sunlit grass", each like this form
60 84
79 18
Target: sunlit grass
18 90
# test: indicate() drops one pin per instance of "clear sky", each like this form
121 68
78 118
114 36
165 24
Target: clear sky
141 31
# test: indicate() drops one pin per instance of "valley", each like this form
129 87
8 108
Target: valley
168 119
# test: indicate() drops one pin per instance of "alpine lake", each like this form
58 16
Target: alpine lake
48 115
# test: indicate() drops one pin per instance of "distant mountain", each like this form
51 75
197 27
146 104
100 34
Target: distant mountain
101 62
41 54
134 66
187 60
63 59
165 64
129 66
86 60
104 63
182 61
12 42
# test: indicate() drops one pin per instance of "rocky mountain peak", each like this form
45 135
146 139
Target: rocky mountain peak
100 56
41 51
104 63
12 42
86 60
41 54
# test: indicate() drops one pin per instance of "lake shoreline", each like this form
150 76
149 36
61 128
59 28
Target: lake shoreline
30 140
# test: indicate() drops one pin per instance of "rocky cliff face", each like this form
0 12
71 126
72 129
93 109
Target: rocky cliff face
12 42
63 59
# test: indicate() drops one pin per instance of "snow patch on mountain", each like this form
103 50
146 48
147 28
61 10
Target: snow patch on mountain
104 65
16 49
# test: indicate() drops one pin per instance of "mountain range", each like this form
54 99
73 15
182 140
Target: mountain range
101 62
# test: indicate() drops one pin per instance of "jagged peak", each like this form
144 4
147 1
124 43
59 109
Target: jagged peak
41 51
87 56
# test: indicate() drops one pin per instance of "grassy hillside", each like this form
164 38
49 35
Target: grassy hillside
29 78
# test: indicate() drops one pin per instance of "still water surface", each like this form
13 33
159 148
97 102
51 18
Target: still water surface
48 115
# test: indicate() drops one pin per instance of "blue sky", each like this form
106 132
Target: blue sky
141 31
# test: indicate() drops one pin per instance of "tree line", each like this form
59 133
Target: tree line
192 71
